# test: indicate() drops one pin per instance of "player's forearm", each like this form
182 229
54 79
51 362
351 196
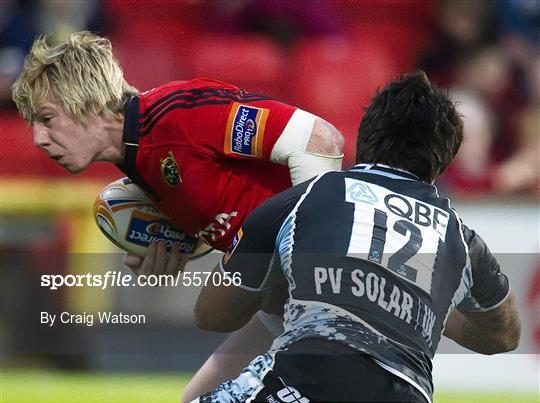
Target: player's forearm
462 332
225 309
221 320
502 335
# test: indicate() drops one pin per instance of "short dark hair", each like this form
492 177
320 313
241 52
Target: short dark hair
411 125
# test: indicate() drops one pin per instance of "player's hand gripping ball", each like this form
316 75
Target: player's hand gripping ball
130 220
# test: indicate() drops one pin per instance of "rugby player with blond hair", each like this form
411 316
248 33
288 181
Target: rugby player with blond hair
207 152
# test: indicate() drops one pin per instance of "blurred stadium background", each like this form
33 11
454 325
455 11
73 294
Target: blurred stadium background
326 56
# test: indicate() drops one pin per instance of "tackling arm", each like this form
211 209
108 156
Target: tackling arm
491 332
226 308
486 321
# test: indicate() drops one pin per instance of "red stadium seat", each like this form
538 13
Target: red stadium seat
412 12
150 38
147 64
336 78
401 41
403 26
185 15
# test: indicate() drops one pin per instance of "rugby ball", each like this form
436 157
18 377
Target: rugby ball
130 220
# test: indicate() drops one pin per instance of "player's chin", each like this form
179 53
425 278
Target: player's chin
74 168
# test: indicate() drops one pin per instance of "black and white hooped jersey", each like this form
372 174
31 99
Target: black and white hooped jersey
374 259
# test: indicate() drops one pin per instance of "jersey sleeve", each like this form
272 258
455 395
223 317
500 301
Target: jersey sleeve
490 286
213 118
252 251
253 128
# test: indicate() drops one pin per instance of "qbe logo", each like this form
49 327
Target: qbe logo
245 130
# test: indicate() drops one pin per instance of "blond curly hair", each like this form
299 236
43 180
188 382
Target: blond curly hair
79 73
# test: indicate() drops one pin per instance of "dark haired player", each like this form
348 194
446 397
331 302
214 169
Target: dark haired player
377 266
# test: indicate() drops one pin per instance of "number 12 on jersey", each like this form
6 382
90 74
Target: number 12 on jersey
384 233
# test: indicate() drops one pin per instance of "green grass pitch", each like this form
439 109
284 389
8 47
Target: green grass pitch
21 386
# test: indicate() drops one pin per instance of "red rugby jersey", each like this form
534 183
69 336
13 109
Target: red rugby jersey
201 149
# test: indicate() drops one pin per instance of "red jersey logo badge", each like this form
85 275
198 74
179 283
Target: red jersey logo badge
245 130
169 170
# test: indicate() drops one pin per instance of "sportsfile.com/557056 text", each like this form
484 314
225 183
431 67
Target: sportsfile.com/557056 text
119 279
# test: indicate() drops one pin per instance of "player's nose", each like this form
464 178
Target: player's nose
41 138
